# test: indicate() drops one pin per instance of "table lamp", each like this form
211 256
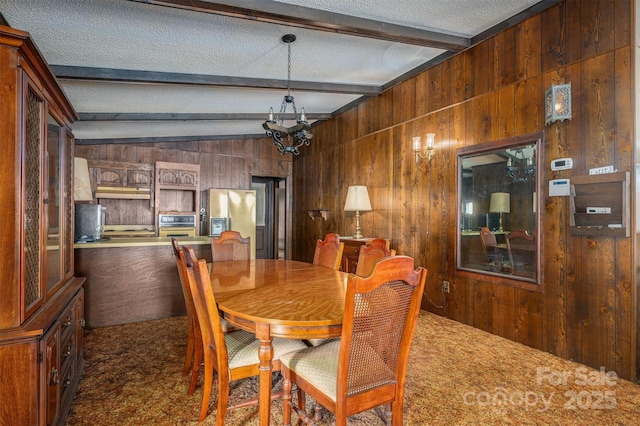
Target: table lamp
500 203
357 201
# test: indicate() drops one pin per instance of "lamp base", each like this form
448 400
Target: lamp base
358 233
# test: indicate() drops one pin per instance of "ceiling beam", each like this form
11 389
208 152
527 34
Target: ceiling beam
156 139
66 72
134 116
303 17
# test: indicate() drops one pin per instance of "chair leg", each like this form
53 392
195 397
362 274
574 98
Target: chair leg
189 356
388 414
208 384
197 361
223 399
286 401
317 415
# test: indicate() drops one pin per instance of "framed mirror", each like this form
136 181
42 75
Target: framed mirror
498 209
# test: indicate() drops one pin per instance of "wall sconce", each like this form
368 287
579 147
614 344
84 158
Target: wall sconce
357 201
557 103
428 151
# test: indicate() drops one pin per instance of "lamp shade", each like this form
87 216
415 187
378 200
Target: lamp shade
357 199
500 202
81 181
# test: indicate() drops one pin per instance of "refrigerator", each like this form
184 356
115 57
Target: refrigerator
230 209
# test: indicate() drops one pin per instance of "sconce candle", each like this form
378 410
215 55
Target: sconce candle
417 148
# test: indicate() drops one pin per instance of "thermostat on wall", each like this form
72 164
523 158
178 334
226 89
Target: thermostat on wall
562 164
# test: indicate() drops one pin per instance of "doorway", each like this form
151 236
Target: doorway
270 216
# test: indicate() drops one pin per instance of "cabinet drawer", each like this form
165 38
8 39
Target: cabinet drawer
68 323
68 384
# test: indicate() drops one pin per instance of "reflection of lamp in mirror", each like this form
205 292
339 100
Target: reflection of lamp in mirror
500 203
357 201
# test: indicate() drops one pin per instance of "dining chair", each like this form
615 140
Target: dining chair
328 252
367 366
494 252
518 240
370 253
230 246
232 355
193 357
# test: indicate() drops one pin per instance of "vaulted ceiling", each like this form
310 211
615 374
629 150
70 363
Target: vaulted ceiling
171 70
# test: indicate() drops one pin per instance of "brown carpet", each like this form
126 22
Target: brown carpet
457 375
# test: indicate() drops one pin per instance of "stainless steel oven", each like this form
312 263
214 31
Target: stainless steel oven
180 224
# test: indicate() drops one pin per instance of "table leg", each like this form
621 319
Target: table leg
265 354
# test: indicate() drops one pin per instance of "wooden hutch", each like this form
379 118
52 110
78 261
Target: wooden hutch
41 301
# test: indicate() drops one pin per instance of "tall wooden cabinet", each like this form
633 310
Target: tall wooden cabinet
41 302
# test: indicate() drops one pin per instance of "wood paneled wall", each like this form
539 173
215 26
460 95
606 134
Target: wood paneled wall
223 164
586 310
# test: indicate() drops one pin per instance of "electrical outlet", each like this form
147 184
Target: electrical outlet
445 286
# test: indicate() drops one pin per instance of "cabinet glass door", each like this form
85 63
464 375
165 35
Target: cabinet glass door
33 290
53 203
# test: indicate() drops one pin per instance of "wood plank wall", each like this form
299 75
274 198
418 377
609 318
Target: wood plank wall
223 164
495 90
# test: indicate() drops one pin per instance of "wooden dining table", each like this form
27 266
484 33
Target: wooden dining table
279 298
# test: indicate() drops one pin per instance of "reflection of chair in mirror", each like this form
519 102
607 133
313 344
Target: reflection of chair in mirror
230 246
494 252
519 244
370 254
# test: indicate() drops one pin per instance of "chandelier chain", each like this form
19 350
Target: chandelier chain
289 70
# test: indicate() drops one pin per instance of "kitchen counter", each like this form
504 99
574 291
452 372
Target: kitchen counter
133 279
142 242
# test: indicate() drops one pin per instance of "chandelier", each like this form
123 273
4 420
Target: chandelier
521 166
297 135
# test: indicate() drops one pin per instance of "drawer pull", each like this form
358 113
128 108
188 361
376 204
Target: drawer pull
67 322
67 382
55 376
82 322
68 352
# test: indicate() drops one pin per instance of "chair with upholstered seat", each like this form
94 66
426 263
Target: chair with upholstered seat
232 355
370 253
366 368
328 252
230 246
519 243
193 357
495 253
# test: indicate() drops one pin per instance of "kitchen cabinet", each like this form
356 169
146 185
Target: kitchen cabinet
122 174
177 189
41 316
122 180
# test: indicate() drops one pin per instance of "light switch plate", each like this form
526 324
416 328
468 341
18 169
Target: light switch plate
601 170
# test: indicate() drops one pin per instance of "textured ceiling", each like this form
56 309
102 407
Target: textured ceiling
192 45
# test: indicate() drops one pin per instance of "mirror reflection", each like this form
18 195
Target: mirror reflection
497 227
